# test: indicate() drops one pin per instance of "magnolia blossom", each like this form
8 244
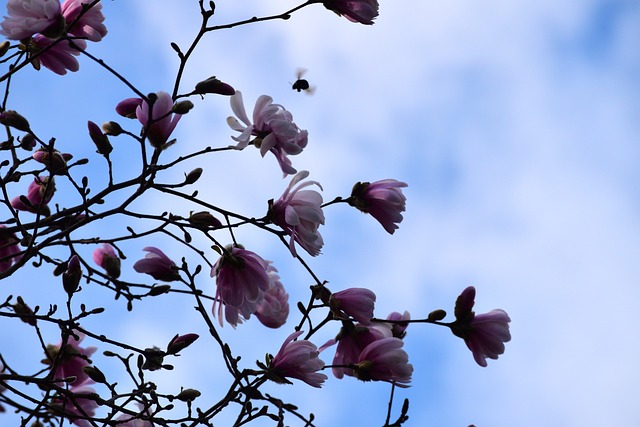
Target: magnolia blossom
39 194
60 57
157 118
242 280
398 329
9 249
484 334
299 213
79 406
273 310
362 11
273 128
127 107
157 265
382 199
105 256
130 421
384 360
70 358
89 25
352 340
28 17
355 302
297 359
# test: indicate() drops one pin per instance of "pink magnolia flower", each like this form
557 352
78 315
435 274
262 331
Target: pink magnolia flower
71 359
398 329
180 342
89 25
9 250
299 213
273 310
382 199
242 280
355 302
105 256
157 265
28 17
134 422
39 194
273 128
158 119
384 360
78 407
127 107
352 340
362 11
59 57
297 359
484 334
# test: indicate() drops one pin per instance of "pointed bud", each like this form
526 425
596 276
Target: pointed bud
193 176
25 312
180 342
187 395
213 85
112 128
204 219
94 373
71 277
28 142
4 47
12 119
182 107
99 139
437 315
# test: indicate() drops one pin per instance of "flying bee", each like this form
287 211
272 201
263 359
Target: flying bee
302 84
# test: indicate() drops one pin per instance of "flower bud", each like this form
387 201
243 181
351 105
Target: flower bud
28 142
12 119
99 139
55 161
193 176
4 47
94 373
71 277
437 315
180 342
213 85
188 394
24 312
153 359
112 128
204 219
182 107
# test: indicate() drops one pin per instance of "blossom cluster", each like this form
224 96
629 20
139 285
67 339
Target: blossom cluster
54 33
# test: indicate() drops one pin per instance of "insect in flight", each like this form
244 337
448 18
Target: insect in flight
302 84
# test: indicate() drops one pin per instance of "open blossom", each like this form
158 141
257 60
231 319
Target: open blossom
355 302
157 118
28 17
89 25
60 57
72 358
157 265
384 360
273 310
105 256
299 213
9 249
242 280
273 128
484 334
382 199
130 421
297 359
352 340
39 194
398 329
362 11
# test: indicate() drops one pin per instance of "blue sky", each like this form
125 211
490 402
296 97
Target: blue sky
515 125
